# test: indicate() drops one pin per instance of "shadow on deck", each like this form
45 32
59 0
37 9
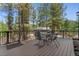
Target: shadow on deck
29 49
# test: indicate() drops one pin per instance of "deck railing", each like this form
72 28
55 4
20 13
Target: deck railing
7 37
67 34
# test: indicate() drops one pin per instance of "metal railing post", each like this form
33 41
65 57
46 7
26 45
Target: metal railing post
7 32
63 33
19 37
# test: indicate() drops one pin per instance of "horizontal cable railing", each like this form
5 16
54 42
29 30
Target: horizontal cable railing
66 33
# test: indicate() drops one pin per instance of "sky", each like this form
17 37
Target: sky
71 10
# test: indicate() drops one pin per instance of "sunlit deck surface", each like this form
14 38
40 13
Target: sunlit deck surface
30 49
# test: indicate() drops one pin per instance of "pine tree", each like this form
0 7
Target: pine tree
23 9
56 10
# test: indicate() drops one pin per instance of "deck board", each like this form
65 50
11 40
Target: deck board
30 49
64 53
51 50
72 49
59 51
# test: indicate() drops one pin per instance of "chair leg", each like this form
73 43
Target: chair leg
57 42
41 44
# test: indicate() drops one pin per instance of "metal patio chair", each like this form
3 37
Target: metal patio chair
46 37
52 37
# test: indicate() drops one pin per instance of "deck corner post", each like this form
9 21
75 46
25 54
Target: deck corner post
7 32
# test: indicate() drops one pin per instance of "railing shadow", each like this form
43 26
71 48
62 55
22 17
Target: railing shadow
14 45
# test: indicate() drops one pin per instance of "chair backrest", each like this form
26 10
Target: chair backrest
51 35
37 34
44 34
40 34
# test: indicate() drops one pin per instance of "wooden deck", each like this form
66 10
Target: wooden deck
30 49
